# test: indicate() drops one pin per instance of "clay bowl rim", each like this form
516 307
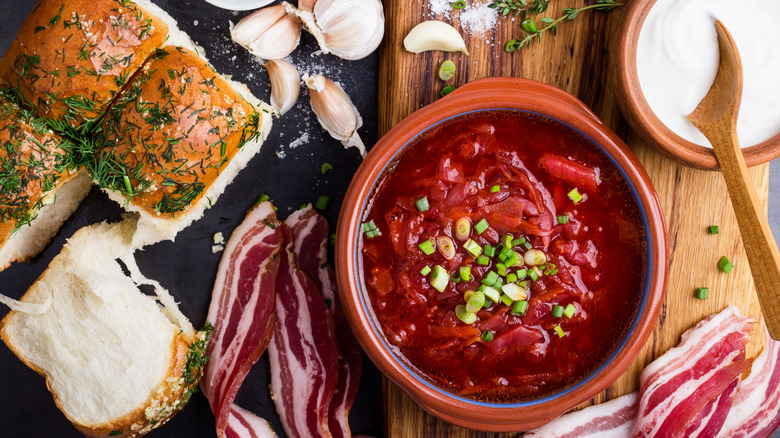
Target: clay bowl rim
642 118
486 95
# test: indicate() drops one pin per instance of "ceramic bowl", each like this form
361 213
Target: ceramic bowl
641 117
485 95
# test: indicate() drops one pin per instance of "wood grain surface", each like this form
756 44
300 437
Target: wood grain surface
577 60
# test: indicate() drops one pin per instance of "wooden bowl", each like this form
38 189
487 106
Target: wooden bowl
486 95
641 117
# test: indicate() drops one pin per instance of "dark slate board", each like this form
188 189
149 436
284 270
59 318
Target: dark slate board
287 169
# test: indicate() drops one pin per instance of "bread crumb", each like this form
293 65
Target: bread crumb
219 239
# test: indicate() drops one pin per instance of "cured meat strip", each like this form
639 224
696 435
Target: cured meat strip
242 308
756 409
613 419
310 234
303 353
678 385
710 419
244 424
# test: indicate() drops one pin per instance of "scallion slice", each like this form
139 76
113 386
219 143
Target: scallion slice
490 278
560 331
464 315
473 248
439 278
507 241
505 252
463 229
326 167
425 271
713 229
507 300
492 293
370 229
427 247
534 257
511 277
487 304
501 268
322 202
703 293
570 310
422 204
495 189
557 311
519 308
563 219
465 273
725 264
522 273
515 292
481 226
483 261
446 247
487 336
533 275
575 196
475 302
489 251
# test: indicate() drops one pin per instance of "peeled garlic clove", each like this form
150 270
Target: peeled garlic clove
352 29
253 25
335 111
285 84
434 35
279 40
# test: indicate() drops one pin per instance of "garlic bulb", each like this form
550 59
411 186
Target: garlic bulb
434 35
269 33
350 29
285 84
335 111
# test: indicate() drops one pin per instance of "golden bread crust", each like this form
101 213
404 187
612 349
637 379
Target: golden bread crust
71 57
171 132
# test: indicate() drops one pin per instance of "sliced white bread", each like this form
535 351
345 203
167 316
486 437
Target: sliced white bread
117 361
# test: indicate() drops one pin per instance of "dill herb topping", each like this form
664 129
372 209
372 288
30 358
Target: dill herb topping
196 361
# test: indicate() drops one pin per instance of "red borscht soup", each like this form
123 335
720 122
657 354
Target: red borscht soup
504 256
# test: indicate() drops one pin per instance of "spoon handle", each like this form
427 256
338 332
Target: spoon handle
760 246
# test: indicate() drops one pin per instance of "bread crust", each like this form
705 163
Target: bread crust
171 132
71 57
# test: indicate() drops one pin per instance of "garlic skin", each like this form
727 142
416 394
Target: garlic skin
434 35
269 33
335 111
349 29
285 84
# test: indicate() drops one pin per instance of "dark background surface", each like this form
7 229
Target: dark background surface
287 169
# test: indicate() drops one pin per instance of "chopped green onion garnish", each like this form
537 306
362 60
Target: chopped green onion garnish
703 293
460 4
550 269
534 257
515 292
495 189
499 283
575 196
446 90
714 229
570 310
487 336
481 226
501 268
439 278
263 198
322 202
533 275
557 311
505 252
463 229
564 219
527 245
725 264
455 277
475 302
511 277
492 293
490 278
465 273
427 247
473 248
518 241
422 204
487 304
446 70
489 251
482 260
373 233
560 331
507 300
446 247
370 229
326 167
519 308
464 315
525 284
425 271
507 241
522 273
333 239
513 259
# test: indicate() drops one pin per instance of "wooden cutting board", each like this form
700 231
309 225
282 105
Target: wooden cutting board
577 60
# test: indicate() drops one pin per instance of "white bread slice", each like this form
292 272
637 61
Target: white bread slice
117 362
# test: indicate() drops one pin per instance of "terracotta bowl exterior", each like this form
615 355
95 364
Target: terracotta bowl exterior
487 94
640 116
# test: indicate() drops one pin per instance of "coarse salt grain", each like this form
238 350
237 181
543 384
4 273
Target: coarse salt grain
478 18
439 7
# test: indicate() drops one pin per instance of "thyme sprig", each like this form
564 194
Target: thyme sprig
520 7
531 31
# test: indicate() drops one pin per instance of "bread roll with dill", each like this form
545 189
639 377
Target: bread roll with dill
39 186
173 139
118 362
71 57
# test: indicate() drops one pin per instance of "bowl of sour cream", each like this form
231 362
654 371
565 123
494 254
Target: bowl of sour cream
664 62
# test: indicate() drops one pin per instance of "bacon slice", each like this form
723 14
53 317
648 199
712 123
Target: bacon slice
303 353
678 385
242 308
244 424
310 233
756 409
613 419
710 419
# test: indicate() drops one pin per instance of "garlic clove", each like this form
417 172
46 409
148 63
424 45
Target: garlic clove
253 25
352 29
335 111
279 40
285 84
434 35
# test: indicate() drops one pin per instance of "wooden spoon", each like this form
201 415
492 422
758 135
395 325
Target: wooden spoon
716 118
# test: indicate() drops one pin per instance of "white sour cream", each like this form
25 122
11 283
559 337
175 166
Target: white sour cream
677 58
